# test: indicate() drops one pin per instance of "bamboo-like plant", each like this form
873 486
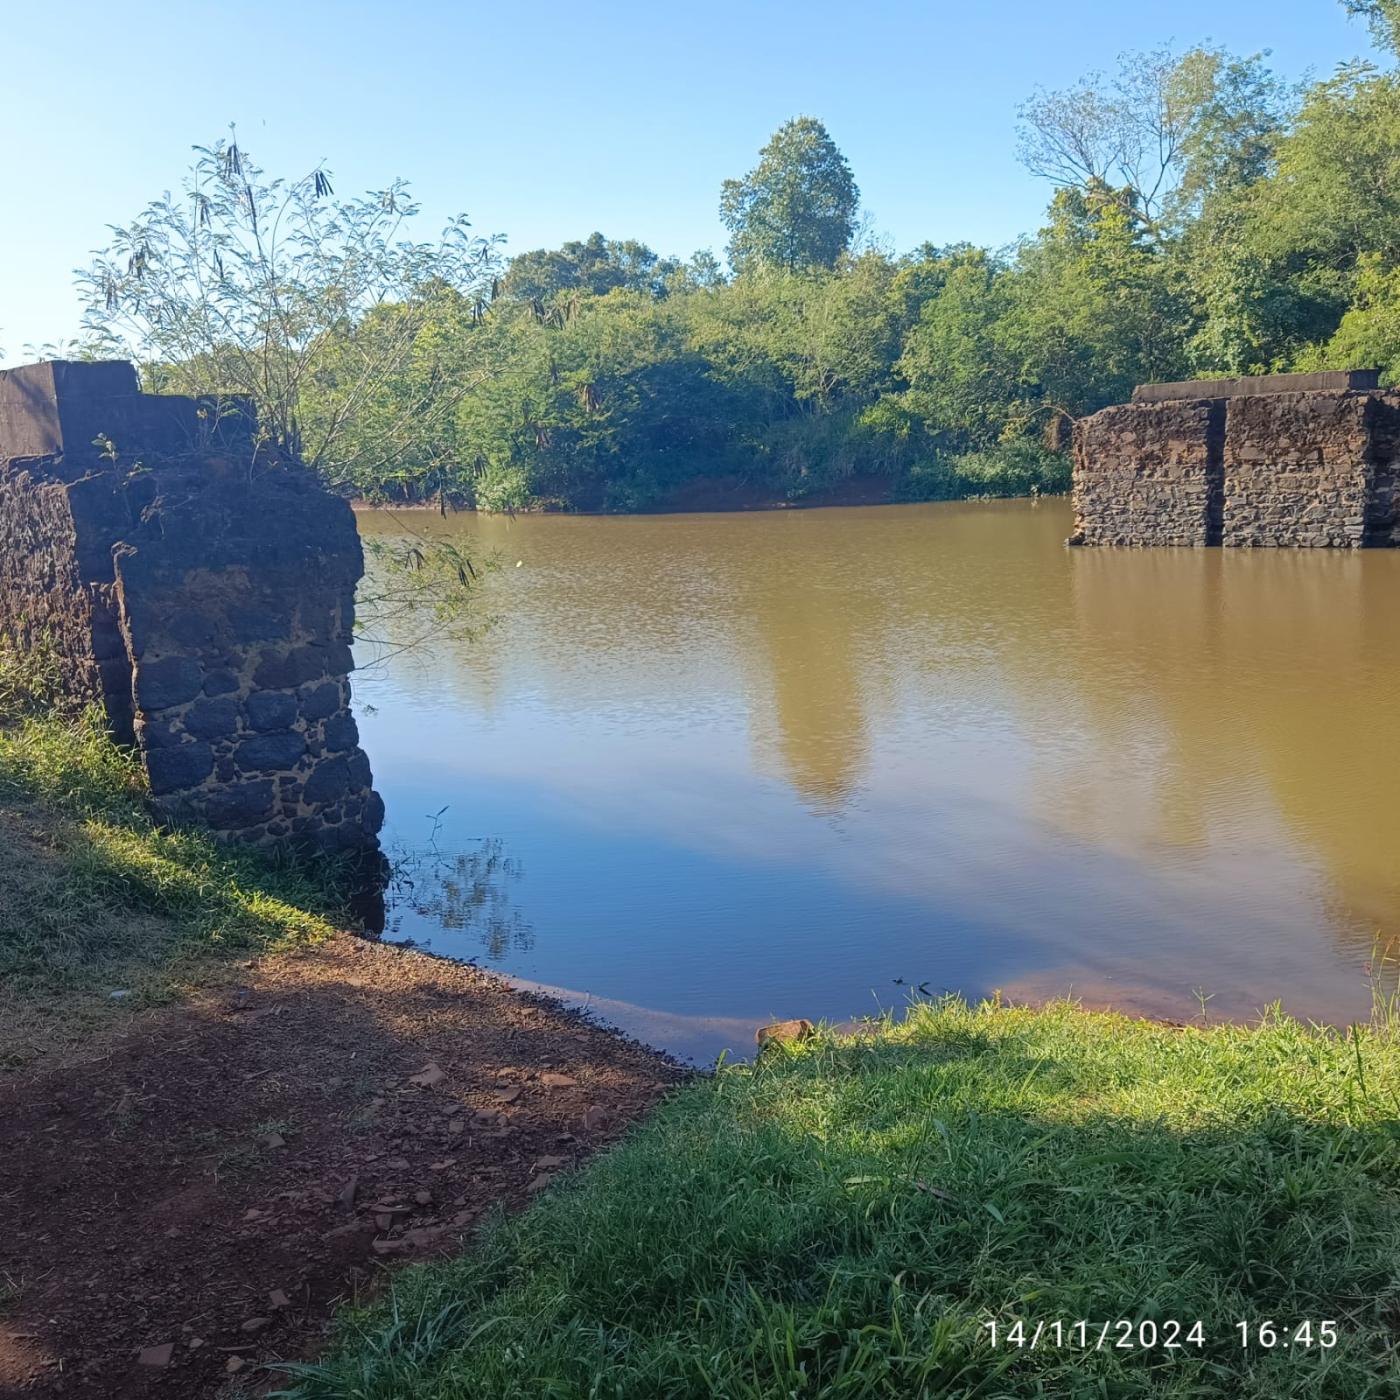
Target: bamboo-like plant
322 309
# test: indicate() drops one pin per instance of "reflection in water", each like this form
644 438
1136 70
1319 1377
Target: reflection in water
771 764
1262 680
466 893
808 715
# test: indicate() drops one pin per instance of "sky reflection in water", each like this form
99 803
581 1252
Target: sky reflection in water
709 770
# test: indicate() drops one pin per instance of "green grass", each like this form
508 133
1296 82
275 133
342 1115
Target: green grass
96 898
844 1218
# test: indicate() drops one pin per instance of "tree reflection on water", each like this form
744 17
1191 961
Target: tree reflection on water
464 892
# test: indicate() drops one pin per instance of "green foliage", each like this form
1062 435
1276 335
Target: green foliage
1160 135
604 401
1384 18
1369 331
846 1217
961 381
310 304
597 265
1093 309
797 207
1017 468
1207 219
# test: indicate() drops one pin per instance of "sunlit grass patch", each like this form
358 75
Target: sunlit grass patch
102 910
845 1217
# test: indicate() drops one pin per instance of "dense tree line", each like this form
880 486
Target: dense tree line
1206 218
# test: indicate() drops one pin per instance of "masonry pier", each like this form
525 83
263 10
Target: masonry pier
1309 460
198 588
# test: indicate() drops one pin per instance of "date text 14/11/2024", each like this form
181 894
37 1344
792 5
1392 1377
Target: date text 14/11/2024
1147 1335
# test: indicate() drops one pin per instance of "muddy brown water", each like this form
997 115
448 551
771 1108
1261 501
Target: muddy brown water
710 770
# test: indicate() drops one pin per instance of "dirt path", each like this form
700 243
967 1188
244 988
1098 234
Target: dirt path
193 1200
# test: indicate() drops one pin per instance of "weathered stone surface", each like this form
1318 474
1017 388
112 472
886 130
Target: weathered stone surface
172 680
183 766
271 709
74 408
221 683
1383 508
1297 470
1316 468
358 764
321 701
203 599
342 733
278 668
161 733
212 719
240 804
329 782
270 753
1148 474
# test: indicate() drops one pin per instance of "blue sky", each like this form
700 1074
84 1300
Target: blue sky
545 121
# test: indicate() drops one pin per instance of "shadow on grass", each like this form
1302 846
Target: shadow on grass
96 899
168 1183
845 1220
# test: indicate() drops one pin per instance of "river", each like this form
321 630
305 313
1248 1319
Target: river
705 771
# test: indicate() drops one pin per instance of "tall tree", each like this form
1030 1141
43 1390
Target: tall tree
962 383
796 208
1161 133
1092 309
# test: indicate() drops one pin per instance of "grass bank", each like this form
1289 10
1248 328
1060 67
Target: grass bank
102 912
195 1171
847 1217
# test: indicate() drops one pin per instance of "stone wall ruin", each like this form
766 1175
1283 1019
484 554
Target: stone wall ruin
198 590
1308 460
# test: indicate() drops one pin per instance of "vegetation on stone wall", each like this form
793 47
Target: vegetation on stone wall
1207 218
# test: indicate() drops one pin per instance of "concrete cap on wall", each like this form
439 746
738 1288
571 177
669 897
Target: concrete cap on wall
63 407
1330 381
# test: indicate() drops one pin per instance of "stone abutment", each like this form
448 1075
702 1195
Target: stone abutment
1309 460
201 592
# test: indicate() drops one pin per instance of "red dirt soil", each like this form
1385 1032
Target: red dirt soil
191 1200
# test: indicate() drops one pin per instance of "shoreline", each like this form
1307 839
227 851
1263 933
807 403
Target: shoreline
765 506
275 1141
959 1150
300 1124
718 496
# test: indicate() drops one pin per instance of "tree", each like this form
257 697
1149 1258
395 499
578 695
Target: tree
1159 134
326 315
1384 18
962 384
1092 309
596 265
1327 225
276 289
1336 193
797 207
814 340
1369 331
